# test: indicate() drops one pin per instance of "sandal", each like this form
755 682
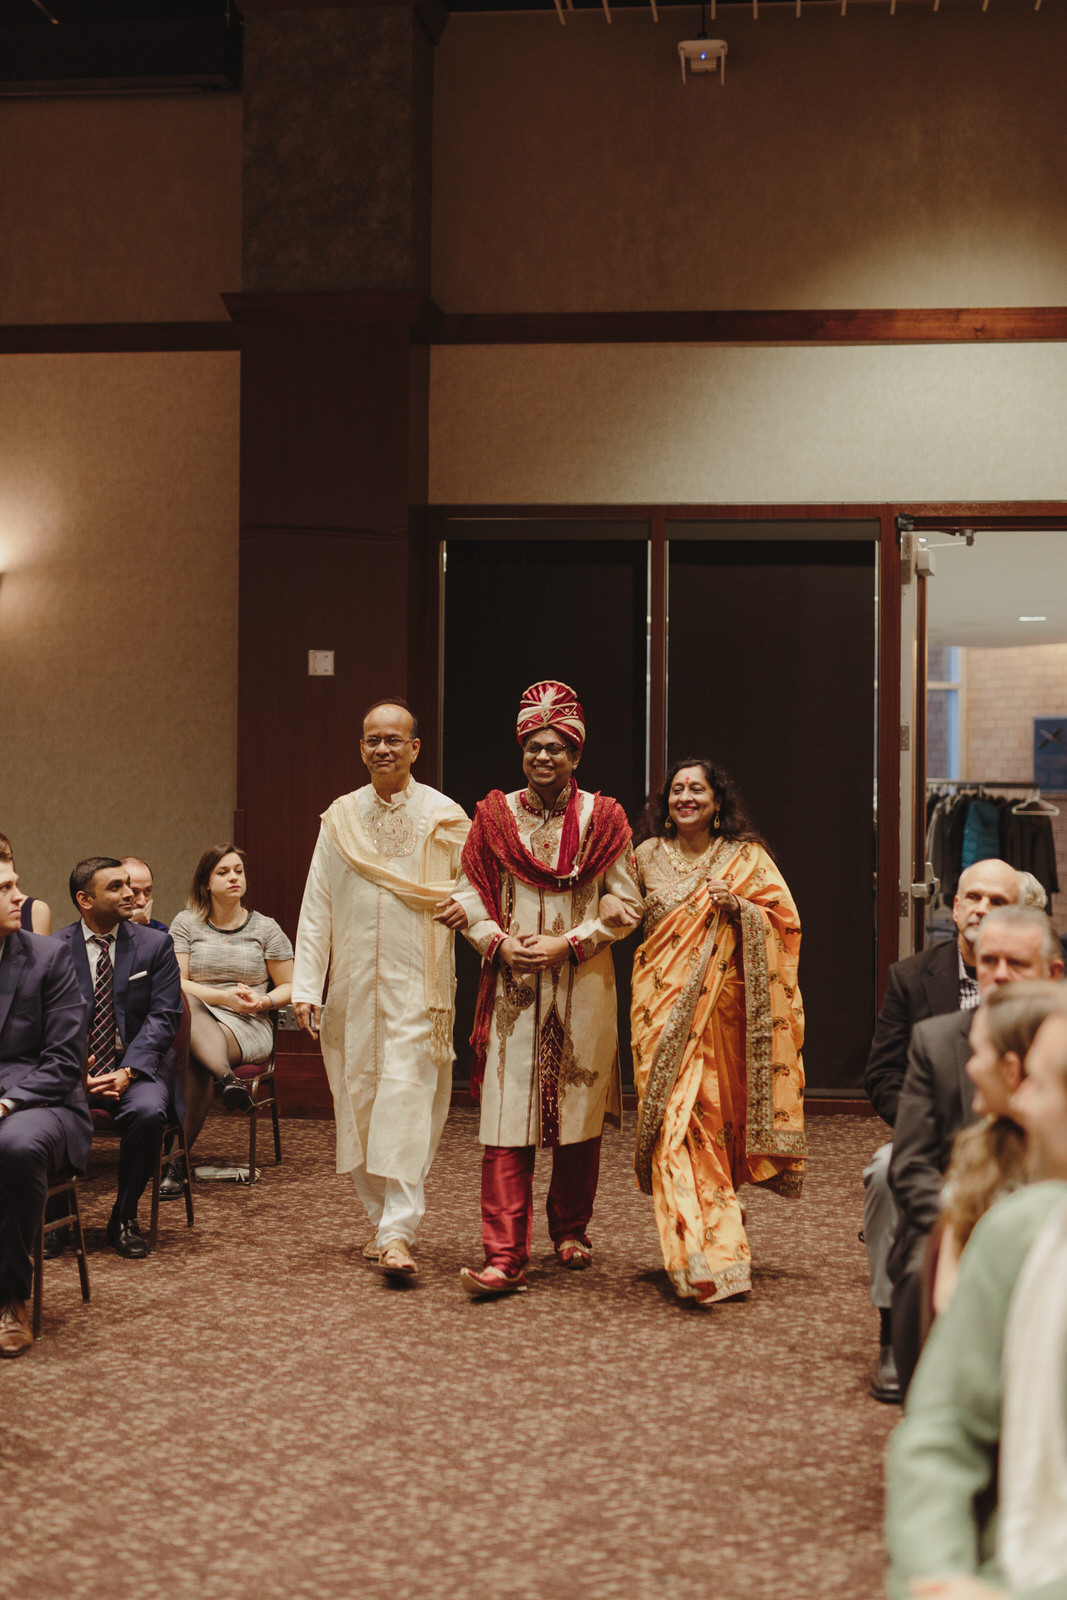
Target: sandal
395 1260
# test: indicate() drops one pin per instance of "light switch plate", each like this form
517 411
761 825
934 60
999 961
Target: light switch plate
320 663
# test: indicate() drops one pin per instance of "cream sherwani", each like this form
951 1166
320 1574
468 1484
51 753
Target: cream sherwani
552 1068
378 869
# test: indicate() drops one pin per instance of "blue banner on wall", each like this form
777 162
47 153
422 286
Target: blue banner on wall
1050 753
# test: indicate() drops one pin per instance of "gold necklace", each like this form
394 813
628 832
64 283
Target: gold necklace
684 865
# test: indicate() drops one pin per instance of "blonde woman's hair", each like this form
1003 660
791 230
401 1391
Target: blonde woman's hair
990 1158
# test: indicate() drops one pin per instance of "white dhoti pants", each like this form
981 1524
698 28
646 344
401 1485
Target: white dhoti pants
395 1208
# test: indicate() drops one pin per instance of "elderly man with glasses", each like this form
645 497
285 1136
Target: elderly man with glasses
545 1035
378 917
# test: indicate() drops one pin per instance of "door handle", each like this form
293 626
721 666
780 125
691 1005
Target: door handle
927 890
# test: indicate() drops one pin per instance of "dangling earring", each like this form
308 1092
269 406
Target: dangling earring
668 826
716 824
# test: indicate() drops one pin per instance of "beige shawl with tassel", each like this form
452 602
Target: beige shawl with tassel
423 893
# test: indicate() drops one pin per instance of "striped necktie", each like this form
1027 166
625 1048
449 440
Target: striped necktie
102 1027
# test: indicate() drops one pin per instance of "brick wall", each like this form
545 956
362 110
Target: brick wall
1005 690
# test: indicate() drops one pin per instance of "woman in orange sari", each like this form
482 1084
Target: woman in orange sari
717 1026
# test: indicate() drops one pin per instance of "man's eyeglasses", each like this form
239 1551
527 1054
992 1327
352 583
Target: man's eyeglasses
392 740
547 749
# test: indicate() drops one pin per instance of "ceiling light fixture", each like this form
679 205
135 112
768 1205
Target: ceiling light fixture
1033 619
703 54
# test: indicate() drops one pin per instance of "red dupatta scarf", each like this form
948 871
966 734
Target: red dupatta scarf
493 845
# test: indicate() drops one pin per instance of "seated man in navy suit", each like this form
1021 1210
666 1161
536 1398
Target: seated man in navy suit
44 1120
129 979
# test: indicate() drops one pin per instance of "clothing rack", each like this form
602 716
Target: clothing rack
981 785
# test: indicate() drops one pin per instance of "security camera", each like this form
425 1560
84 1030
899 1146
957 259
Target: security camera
703 55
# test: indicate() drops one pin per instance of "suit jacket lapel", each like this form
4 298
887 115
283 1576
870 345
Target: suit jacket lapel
963 1056
125 950
11 965
76 943
942 981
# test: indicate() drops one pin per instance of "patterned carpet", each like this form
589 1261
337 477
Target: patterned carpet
255 1412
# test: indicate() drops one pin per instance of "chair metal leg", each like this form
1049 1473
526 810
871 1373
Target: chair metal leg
71 1218
153 1224
277 1130
79 1242
253 1118
187 1184
38 1268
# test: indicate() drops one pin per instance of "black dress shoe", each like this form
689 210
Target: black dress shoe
55 1243
884 1384
125 1239
171 1186
235 1097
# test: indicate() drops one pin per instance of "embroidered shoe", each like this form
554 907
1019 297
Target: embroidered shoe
492 1281
574 1254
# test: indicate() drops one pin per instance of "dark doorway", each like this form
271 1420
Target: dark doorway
770 668
543 600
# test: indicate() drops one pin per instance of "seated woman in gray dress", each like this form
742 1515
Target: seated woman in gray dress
236 966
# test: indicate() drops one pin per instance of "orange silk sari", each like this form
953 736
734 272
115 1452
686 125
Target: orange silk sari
718 1025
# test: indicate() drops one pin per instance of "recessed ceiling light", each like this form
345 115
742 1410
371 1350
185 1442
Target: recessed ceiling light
1033 619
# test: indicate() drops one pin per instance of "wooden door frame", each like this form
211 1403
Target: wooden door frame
434 524
996 516
924 516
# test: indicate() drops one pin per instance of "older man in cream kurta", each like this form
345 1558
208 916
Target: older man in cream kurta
545 1039
377 916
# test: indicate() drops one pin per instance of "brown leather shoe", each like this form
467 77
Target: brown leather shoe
15 1334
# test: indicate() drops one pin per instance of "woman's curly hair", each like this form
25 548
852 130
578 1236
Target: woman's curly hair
734 821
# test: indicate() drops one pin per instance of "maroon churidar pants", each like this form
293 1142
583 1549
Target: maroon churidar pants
507 1198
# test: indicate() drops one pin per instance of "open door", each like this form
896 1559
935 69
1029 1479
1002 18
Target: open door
917 882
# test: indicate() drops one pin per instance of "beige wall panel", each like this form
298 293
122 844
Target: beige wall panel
118 612
124 209
623 423
865 160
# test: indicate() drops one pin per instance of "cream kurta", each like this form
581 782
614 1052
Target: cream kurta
391 1088
552 1068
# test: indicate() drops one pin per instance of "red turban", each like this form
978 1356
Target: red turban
551 705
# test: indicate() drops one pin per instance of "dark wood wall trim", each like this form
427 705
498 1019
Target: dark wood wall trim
1006 324
1003 517
429 325
115 338
253 530
407 308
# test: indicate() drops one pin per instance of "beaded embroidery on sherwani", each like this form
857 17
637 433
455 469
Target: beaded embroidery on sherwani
391 829
540 829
